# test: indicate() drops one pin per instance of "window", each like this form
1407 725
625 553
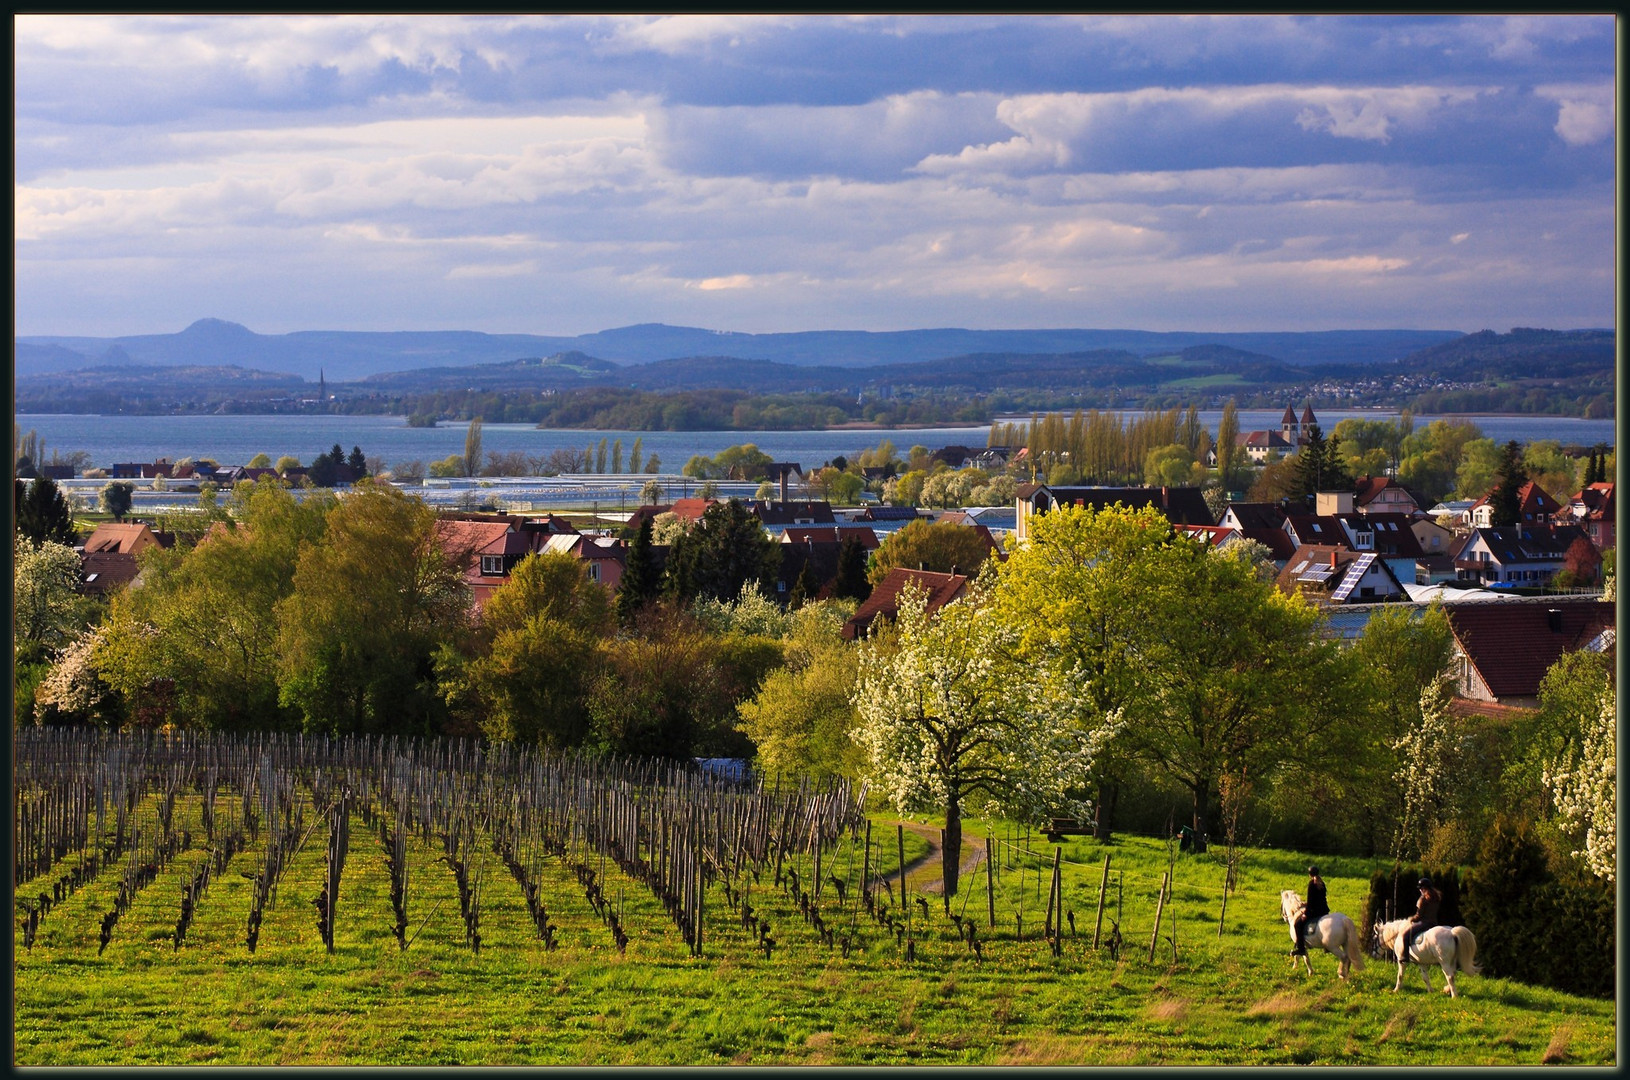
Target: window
594 571
492 564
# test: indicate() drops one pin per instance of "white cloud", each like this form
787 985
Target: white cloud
1586 113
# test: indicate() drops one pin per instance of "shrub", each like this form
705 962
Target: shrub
1533 927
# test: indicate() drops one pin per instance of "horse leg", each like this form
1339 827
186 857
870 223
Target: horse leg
1425 978
1399 985
1449 978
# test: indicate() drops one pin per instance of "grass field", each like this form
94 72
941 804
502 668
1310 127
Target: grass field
1228 1000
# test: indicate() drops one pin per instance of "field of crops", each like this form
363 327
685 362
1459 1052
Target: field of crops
266 901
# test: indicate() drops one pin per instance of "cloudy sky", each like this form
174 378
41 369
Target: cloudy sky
561 175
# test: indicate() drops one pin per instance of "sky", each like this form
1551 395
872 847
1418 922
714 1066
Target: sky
567 174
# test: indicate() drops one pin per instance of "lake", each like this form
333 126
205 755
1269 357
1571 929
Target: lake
233 440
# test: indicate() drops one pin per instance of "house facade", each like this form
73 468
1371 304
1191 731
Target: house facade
1517 555
1502 649
1180 505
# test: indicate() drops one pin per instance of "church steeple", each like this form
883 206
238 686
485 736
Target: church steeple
1288 428
322 386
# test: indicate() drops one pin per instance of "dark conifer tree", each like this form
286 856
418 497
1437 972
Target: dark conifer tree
851 581
1509 480
43 513
805 588
639 584
358 463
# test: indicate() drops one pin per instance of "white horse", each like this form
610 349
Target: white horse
1335 934
1449 948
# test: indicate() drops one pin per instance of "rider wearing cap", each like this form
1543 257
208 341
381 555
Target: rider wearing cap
1316 908
1425 917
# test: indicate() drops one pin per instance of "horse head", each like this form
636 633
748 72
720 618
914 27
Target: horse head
1290 905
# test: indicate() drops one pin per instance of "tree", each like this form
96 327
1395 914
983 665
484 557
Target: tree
653 464
634 454
851 583
259 461
1168 465
744 462
1479 462
805 587
1426 775
116 498
1506 499
950 718
42 512
1319 466
357 658
617 456
600 457
74 691
1402 653
198 642
472 448
726 550
47 611
357 463
325 468
287 462
1583 784
641 581
531 678
651 493
1227 445
802 716
1222 673
922 545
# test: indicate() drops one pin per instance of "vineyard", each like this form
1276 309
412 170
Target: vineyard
277 899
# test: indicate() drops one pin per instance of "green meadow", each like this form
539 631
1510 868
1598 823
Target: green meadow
1205 998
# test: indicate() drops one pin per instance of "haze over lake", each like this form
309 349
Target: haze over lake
233 440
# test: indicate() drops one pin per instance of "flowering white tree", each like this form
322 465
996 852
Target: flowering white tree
950 718
74 687
1425 753
47 609
1584 786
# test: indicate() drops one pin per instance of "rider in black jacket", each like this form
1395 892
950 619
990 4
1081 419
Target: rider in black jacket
1317 907
1425 917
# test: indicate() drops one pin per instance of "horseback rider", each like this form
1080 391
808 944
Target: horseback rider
1425 917
1316 908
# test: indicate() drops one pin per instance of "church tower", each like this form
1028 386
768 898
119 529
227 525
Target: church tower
1288 427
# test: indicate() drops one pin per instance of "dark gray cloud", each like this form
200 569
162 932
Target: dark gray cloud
507 173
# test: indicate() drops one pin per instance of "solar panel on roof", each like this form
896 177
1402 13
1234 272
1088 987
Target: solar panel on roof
1355 574
1299 567
1317 574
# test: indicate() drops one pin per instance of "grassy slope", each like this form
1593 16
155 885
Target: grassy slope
1227 1001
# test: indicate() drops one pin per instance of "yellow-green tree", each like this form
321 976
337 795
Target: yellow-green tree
802 716
197 644
924 545
1217 672
538 651
373 600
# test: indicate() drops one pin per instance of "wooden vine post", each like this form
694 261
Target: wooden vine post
990 887
1160 906
1103 894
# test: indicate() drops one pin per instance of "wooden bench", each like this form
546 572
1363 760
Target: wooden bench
1058 828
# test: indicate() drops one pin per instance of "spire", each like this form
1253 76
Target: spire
1307 415
1290 415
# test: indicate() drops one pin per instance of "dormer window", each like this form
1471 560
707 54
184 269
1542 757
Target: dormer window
492 565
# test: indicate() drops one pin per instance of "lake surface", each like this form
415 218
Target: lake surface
233 440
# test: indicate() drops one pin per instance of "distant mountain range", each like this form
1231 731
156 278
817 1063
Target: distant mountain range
346 356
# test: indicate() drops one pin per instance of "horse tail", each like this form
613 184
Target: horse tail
1355 953
1466 951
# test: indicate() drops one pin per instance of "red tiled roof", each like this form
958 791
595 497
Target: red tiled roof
804 534
885 598
106 570
1275 540
127 539
1512 644
691 509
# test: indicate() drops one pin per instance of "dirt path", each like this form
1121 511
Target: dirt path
926 873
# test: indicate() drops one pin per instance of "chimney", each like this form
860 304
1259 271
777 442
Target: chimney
784 471
1332 558
955 570
1554 617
